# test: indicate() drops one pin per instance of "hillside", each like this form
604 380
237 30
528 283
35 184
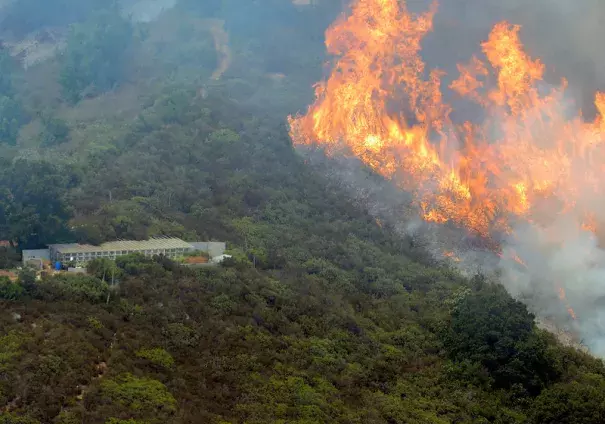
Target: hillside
325 314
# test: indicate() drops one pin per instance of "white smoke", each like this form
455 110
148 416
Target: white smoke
563 267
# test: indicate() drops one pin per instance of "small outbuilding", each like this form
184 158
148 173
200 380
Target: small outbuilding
35 257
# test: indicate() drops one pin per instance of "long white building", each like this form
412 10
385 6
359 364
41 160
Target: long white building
170 247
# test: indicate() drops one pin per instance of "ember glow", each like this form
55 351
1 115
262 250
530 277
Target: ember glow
531 158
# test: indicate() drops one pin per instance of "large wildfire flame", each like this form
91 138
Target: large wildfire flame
529 160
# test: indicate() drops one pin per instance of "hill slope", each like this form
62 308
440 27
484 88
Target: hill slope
324 316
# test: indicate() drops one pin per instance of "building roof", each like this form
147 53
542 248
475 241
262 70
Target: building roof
152 244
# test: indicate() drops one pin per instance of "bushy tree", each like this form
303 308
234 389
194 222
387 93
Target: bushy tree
140 395
489 327
10 290
73 288
27 279
581 401
8 418
157 356
104 269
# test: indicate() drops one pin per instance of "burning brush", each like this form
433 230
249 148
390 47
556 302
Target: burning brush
529 180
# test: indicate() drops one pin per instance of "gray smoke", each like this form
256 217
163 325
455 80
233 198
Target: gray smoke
564 34
572 265
146 10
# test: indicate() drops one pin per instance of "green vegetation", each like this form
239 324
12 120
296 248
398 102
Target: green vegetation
10 258
7 68
10 290
33 202
15 419
12 115
321 316
579 401
54 131
96 55
73 287
140 395
9 349
295 344
118 421
489 328
157 356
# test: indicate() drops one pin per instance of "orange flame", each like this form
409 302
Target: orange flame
451 255
563 298
528 161
517 259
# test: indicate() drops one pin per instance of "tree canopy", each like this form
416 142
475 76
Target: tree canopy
33 202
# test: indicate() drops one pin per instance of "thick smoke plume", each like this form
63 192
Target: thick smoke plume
554 261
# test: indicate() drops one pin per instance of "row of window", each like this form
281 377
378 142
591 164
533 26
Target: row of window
83 256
